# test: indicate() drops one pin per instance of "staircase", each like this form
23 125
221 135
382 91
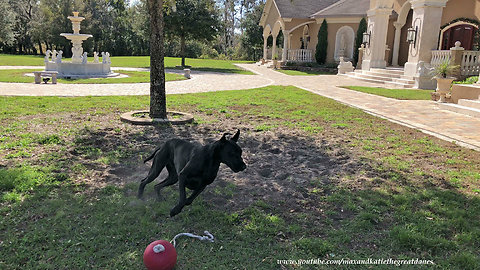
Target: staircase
391 77
464 106
268 63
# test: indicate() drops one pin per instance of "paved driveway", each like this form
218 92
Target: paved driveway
200 82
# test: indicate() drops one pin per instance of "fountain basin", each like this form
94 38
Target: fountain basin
79 70
79 37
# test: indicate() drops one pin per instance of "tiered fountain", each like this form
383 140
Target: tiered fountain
79 67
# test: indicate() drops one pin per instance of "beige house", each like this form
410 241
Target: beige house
300 20
404 38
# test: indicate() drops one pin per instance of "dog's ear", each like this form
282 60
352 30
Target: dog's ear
236 136
224 137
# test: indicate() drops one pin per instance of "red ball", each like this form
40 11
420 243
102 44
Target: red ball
160 255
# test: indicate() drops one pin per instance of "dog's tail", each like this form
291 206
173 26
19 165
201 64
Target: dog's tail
153 154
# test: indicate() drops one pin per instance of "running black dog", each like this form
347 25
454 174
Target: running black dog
194 166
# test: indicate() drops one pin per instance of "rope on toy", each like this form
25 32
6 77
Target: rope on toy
206 237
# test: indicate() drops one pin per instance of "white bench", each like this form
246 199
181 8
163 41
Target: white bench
40 74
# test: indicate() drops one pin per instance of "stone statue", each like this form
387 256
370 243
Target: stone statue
108 58
47 56
84 58
343 45
344 67
59 57
54 56
104 58
95 57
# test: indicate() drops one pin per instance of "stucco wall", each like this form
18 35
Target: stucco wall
272 17
332 34
461 9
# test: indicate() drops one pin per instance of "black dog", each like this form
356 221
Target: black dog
194 166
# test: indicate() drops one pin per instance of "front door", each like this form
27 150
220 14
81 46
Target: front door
463 33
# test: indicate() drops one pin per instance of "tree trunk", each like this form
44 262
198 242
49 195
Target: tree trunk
40 47
182 50
158 103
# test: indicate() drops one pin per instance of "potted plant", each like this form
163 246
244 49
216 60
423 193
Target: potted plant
442 74
275 61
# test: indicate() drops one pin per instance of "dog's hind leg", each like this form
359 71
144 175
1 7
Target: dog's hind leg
170 180
159 161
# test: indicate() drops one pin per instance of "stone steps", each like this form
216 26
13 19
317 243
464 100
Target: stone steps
471 111
470 103
391 77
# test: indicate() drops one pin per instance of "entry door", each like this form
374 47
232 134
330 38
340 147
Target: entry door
463 33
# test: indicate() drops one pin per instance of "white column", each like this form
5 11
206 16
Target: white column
286 36
396 42
265 50
427 16
378 27
274 47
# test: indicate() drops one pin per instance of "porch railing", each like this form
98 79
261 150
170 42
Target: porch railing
470 63
300 55
439 57
278 52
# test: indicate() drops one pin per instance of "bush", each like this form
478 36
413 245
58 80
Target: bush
469 80
322 45
362 27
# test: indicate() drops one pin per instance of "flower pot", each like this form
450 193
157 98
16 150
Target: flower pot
443 87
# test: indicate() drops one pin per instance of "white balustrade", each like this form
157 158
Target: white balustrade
300 55
439 57
470 63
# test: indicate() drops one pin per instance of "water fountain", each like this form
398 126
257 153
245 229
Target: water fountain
79 67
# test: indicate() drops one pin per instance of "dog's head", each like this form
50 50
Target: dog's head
230 153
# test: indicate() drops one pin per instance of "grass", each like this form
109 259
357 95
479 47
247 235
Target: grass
18 76
224 66
302 73
404 94
402 195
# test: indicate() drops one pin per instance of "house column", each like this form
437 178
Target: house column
377 28
274 47
265 49
427 15
396 42
286 37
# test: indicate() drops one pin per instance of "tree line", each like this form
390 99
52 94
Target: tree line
193 28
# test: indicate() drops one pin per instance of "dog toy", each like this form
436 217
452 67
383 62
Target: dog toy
162 255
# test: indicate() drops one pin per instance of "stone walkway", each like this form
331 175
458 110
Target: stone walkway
420 114
423 115
200 82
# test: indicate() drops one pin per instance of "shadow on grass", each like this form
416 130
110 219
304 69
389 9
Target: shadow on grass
299 197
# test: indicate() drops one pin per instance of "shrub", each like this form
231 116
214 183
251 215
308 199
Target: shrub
362 27
322 45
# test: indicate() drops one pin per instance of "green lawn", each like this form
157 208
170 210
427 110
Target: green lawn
335 183
18 76
302 73
225 66
410 94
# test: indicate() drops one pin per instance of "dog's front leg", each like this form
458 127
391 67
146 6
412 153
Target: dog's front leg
183 196
194 195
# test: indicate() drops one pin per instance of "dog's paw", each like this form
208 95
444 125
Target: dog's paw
175 211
